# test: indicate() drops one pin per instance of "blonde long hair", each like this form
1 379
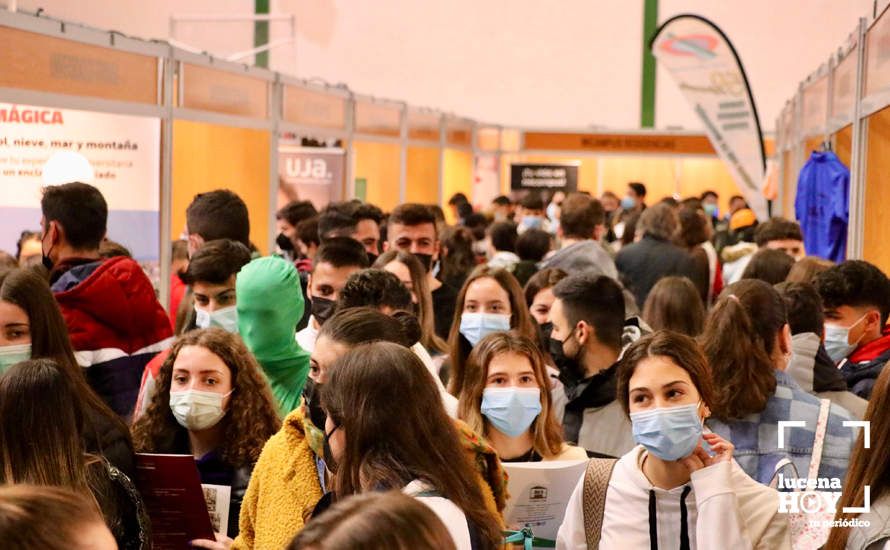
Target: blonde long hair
520 320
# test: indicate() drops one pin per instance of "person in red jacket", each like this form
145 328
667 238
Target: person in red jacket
115 322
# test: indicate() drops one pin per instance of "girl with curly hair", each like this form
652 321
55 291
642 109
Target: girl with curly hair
211 402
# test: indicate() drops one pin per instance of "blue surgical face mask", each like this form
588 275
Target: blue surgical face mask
628 203
10 355
670 433
225 318
837 341
532 222
511 410
711 210
476 326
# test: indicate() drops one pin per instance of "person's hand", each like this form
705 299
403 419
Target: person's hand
701 459
222 542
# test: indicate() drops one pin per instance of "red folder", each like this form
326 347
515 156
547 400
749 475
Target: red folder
171 489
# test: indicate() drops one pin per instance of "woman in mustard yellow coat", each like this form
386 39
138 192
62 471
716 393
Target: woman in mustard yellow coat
290 477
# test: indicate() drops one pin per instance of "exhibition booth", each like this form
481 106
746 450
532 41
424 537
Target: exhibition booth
160 124
844 106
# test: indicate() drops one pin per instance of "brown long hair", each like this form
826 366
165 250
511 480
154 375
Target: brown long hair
421 285
390 440
375 521
520 320
868 467
49 518
251 418
675 304
41 424
682 350
27 289
544 279
738 341
547 432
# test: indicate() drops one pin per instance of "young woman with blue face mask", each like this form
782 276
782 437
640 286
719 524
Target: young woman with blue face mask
506 398
214 403
490 301
679 487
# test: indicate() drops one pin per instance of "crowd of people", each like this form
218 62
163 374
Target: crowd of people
365 384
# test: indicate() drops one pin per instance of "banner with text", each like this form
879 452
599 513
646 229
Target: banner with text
544 177
315 174
704 64
124 152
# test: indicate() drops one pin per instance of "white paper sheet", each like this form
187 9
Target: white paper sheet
539 494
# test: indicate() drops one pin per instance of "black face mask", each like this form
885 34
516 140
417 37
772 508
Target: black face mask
329 461
372 258
284 243
426 260
312 398
546 329
322 309
44 256
570 369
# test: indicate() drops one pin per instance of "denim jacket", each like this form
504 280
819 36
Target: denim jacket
755 437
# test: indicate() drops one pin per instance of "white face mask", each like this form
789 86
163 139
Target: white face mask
10 355
197 410
225 318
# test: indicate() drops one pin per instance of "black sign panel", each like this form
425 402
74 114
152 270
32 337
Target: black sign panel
544 177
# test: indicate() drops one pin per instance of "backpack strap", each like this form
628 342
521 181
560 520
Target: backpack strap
819 440
596 485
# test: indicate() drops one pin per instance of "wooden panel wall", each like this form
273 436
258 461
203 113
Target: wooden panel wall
208 157
457 178
422 175
378 163
877 191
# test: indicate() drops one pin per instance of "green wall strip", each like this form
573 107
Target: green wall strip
261 32
647 95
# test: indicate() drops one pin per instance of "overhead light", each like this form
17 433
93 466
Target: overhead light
66 167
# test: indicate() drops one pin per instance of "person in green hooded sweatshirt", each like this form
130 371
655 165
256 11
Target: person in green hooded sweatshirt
270 303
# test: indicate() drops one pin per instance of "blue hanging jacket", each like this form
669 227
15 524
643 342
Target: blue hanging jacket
822 205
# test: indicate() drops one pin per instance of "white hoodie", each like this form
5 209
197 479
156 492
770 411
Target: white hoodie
725 509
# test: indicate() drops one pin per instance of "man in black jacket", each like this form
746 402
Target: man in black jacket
644 263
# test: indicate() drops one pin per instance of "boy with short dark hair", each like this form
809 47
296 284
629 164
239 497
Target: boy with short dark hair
856 302
219 214
588 325
336 260
412 228
114 320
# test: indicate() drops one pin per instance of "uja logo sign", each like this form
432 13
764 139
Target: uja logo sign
307 169
812 496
